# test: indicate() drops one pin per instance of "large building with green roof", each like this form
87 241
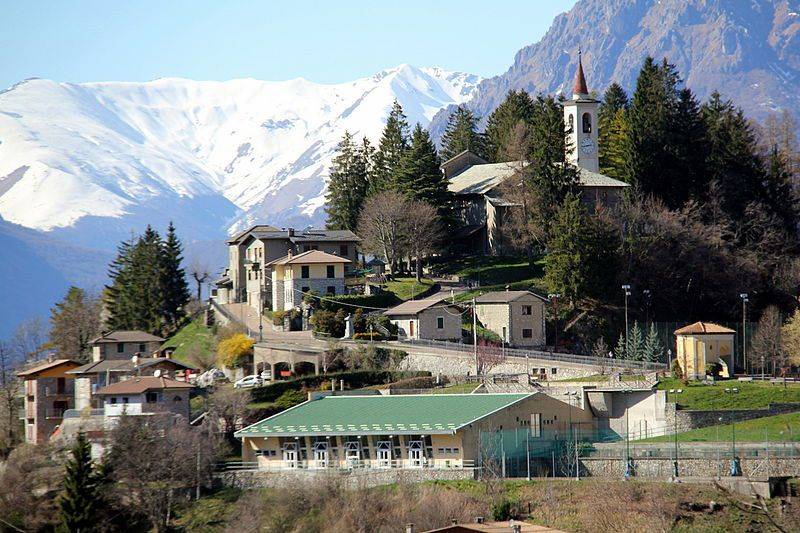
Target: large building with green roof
396 431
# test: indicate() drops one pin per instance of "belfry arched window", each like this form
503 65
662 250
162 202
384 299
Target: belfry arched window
587 123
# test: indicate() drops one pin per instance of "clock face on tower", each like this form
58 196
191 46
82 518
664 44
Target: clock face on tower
587 146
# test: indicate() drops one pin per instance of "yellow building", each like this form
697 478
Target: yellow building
314 270
701 344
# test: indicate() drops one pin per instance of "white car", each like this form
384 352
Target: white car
253 380
209 377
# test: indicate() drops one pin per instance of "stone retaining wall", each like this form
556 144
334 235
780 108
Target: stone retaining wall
460 366
693 418
661 467
250 479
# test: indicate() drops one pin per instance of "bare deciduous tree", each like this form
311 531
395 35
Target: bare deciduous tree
201 274
228 408
424 231
383 227
9 387
765 346
154 459
74 322
30 339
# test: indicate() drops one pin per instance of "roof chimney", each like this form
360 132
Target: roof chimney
290 232
579 88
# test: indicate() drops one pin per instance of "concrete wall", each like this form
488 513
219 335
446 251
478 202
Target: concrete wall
461 365
693 419
662 467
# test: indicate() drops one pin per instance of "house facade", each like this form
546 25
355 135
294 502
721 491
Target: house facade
149 395
314 270
701 344
247 278
431 318
476 184
518 317
122 344
396 431
49 392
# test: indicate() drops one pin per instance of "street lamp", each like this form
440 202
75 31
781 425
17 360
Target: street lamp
629 470
553 297
744 298
647 296
627 291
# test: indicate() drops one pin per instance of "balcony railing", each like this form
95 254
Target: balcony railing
56 414
348 465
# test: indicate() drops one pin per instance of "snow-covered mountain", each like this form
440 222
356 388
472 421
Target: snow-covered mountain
90 162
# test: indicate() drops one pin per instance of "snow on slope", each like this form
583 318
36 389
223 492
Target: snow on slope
226 153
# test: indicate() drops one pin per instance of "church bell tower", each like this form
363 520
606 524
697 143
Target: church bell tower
580 118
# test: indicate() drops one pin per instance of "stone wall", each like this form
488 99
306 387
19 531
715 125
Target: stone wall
661 467
460 365
692 419
250 479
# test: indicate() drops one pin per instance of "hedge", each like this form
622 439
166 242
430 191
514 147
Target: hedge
353 380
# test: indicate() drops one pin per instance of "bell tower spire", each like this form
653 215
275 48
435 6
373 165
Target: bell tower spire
580 117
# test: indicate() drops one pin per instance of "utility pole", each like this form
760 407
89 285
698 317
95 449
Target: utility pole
475 336
553 297
627 291
744 297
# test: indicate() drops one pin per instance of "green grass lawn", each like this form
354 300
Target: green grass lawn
194 335
408 288
778 428
495 273
754 395
456 388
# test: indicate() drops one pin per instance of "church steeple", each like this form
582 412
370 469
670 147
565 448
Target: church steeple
579 88
580 118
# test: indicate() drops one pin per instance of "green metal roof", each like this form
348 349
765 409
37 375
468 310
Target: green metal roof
378 414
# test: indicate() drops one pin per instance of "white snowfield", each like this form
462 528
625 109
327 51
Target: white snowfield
69 151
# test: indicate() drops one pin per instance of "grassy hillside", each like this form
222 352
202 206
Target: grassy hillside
408 288
753 395
194 336
495 273
778 428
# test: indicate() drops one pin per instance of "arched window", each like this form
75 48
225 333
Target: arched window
587 123
571 125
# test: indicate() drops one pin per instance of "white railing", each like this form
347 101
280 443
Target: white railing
347 465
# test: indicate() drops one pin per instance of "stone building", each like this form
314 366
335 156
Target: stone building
477 184
124 345
314 270
518 317
250 253
701 344
435 431
48 391
431 318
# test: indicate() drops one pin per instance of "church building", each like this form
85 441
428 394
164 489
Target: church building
476 183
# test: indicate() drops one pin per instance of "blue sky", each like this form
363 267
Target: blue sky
324 41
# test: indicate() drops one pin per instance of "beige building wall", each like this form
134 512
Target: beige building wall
425 324
113 350
509 322
696 351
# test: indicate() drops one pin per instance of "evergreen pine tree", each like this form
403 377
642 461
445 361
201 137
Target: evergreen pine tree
517 107
579 263
620 352
461 134
635 351
81 501
176 288
689 177
391 148
652 349
347 185
419 175
651 116
612 128
116 298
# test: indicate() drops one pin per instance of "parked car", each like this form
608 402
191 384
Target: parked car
209 377
253 380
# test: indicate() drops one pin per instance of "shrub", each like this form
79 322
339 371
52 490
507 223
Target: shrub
232 350
366 336
502 510
328 323
375 358
677 372
290 398
422 382
277 317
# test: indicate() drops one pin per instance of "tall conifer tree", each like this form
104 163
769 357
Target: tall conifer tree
392 146
347 185
176 288
81 501
517 107
462 134
613 131
419 176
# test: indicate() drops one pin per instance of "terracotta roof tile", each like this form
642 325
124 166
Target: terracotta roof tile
143 384
703 328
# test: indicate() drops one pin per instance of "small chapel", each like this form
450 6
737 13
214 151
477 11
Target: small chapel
476 183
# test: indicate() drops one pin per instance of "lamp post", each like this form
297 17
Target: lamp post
744 298
627 292
570 395
647 295
629 470
553 297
